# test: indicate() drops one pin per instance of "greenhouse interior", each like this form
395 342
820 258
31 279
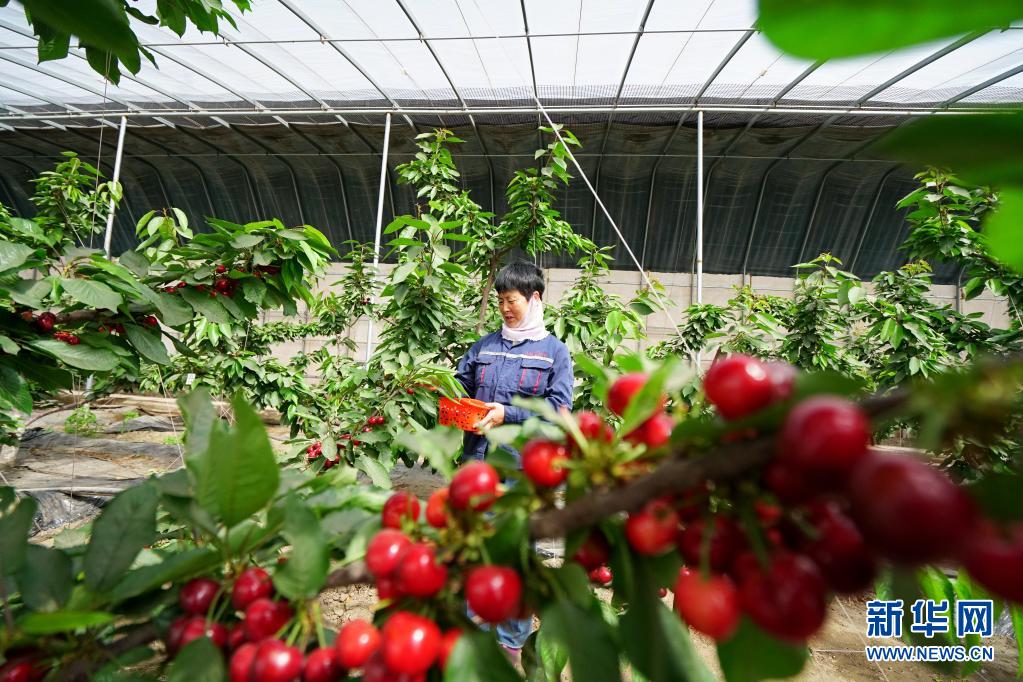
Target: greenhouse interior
693 327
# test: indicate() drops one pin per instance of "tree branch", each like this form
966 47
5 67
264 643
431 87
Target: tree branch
83 668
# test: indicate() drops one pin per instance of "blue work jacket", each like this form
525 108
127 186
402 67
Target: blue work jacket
494 370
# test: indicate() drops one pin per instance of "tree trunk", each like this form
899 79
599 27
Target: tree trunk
485 303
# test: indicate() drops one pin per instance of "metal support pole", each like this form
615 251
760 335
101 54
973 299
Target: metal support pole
380 223
117 176
699 216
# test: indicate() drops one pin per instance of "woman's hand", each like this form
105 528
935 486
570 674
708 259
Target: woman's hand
494 418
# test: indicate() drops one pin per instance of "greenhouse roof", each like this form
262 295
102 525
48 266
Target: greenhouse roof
291 57
284 116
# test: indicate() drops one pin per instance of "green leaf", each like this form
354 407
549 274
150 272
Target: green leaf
477 658
62 621
652 636
101 24
127 524
511 536
147 343
14 389
751 655
136 262
592 653
198 661
14 528
175 567
825 29
305 571
402 272
375 470
1004 229
246 241
13 255
45 578
173 311
8 346
80 356
91 293
981 149
238 474
253 290
999 494
208 307
30 292
1016 612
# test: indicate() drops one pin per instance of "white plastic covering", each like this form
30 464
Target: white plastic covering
396 55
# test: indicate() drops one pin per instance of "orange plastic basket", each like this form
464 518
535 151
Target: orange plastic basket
464 413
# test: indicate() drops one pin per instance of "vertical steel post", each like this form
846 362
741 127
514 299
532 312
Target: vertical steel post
380 223
107 238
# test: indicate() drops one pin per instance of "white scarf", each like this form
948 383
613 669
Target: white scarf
532 327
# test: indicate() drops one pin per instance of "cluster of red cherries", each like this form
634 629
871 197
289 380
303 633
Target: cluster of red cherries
314 451
833 509
257 651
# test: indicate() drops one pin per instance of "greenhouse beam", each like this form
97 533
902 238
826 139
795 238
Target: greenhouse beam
380 223
699 216
527 111
117 176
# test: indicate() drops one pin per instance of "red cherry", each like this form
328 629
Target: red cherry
623 389
177 627
235 636
150 320
241 662
265 617
357 641
654 432
197 595
542 463
45 322
727 542
690 503
839 551
738 386
447 644
593 427
788 484
788 599
651 530
436 508
275 661
409 643
321 665
197 627
601 575
410 391
824 437
387 587
594 551
21 670
385 550
909 511
376 670
253 583
994 559
474 486
709 606
493 592
783 379
662 592
221 269
420 574
398 507
769 514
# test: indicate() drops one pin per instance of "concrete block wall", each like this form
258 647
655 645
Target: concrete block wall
680 291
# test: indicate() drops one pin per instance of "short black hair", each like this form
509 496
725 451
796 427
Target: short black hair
523 277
